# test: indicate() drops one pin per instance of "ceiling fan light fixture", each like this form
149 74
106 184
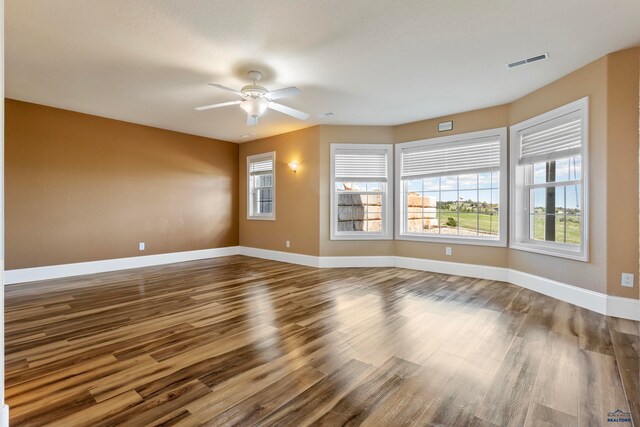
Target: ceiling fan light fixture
255 107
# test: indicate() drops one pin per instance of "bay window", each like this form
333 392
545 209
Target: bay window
453 189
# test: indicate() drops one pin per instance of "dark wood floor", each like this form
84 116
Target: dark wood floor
242 341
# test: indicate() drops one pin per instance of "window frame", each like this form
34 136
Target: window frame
271 155
501 241
387 199
520 183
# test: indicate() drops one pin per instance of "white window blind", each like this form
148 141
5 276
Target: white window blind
360 165
454 158
553 140
261 167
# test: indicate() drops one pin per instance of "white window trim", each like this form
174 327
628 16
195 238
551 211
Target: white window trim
501 133
387 208
250 159
520 240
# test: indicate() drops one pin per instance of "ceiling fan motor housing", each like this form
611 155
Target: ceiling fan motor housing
253 91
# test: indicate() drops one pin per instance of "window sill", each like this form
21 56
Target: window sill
261 218
549 250
360 237
501 243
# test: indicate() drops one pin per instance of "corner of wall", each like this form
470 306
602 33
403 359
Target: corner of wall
623 104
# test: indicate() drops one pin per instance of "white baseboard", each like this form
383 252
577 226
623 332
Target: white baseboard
300 259
4 416
627 308
585 298
356 261
453 268
82 268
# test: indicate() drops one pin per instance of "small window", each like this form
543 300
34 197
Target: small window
453 189
549 209
361 181
261 185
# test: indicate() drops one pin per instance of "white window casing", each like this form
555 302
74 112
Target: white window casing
261 186
364 171
449 158
556 137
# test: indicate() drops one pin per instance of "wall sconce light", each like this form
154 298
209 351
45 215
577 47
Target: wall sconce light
294 166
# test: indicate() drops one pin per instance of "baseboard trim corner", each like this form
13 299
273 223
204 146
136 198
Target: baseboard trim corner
625 308
290 257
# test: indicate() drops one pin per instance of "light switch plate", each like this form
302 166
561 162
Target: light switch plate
141 246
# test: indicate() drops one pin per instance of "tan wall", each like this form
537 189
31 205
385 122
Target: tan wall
296 194
85 188
591 81
622 169
347 135
487 118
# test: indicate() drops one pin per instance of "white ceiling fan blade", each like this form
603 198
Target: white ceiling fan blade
283 93
288 111
251 120
223 104
237 92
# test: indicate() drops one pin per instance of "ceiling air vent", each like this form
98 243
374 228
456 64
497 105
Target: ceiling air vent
528 60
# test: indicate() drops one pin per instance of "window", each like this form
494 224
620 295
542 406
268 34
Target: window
261 198
453 189
361 181
549 192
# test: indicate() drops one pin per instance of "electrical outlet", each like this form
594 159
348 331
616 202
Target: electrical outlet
287 243
627 280
447 251
141 246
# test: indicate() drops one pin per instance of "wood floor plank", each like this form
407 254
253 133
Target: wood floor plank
543 416
257 406
358 404
601 389
101 411
417 392
555 385
507 400
318 399
244 341
163 408
627 351
462 395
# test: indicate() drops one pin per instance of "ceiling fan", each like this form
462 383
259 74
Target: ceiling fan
256 99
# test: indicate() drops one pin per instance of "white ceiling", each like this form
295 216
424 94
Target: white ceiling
373 62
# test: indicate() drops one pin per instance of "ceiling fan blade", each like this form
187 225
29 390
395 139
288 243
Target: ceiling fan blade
283 93
251 120
288 111
237 92
224 104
